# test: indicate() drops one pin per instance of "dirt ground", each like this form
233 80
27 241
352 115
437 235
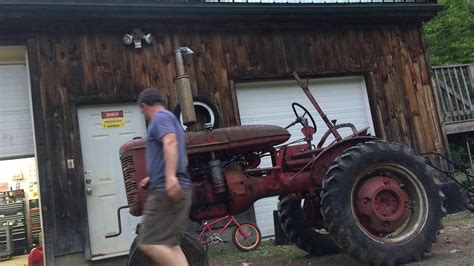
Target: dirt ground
455 246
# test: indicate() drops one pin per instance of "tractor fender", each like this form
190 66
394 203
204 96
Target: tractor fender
325 159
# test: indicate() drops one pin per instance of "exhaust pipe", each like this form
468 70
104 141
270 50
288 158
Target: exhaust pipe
183 85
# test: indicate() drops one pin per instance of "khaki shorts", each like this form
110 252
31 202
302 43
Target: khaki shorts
164 220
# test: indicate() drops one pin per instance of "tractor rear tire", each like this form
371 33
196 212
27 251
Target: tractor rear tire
192 249
468 197
300 232
342 203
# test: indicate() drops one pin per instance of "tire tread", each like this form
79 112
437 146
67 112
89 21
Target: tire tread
301 233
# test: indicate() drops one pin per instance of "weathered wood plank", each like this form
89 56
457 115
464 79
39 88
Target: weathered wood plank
47 201
459 127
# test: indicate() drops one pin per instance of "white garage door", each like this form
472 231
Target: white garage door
344 99
16 129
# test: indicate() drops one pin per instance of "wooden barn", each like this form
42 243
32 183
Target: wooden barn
365 61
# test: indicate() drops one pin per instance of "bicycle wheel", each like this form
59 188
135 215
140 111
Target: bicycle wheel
248 238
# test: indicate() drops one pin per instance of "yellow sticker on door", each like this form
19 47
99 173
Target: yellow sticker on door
113 119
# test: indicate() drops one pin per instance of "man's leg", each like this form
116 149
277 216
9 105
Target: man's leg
180 257
165 255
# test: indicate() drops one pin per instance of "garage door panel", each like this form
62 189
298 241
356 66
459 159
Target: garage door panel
16 136
7 126
13 150
17 93
344 99
13 143
263 216
16 128
11 104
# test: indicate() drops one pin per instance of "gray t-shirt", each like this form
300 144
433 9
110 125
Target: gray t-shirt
162 123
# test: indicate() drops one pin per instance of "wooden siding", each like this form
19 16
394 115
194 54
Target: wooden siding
91 65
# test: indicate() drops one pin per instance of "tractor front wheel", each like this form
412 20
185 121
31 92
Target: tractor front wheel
381 205
300 231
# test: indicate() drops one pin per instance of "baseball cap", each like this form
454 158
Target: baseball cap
149 96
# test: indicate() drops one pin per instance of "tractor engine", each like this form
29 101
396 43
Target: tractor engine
217 163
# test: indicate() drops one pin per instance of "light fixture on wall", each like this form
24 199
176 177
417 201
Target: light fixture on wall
136 37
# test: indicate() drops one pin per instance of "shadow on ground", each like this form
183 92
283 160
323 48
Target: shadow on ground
455 246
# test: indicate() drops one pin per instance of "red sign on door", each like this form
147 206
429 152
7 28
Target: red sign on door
112 119
112 114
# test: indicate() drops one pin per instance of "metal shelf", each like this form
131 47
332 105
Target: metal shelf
13 214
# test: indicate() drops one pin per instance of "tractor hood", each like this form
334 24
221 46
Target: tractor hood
236 139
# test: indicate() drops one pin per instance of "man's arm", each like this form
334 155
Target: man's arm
171 155
164 131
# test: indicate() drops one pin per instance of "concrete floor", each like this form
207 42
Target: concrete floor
15 261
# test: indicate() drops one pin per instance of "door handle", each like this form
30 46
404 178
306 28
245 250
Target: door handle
88 181
89 191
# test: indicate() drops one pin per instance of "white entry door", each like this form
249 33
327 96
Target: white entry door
103 129
269 102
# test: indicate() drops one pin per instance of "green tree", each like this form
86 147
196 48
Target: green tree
450 35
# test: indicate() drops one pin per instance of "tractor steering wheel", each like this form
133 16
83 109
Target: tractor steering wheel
306 112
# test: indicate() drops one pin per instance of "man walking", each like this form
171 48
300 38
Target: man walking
169 194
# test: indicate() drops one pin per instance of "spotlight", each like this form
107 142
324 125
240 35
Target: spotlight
148 38
136 37
127 39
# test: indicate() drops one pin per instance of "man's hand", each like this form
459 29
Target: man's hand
173 188
145 183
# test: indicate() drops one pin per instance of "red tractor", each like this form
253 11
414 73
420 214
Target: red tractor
375 200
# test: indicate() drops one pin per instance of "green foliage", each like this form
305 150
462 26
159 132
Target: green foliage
450 35
459 154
